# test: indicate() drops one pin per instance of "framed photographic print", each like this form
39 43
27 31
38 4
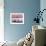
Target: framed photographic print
16 18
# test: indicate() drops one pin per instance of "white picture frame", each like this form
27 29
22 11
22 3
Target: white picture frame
16 18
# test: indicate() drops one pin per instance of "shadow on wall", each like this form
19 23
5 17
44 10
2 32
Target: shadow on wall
12 32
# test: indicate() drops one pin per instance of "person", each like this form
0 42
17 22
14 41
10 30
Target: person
37 19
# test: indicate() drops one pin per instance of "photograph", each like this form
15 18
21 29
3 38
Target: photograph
16 18
22 22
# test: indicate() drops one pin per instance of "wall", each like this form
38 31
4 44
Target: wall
28 7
